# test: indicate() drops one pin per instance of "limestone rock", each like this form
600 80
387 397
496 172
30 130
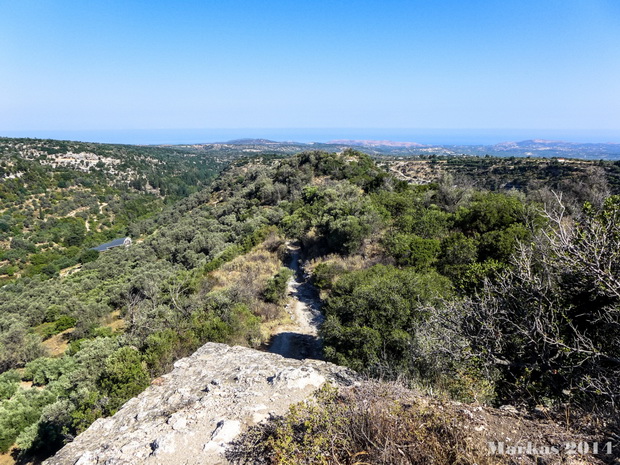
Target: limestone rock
189 415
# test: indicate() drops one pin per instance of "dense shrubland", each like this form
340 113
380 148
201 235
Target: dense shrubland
583 180
52 212
481 295
172 296
523 308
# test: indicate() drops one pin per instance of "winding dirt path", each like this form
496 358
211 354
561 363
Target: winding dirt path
300 341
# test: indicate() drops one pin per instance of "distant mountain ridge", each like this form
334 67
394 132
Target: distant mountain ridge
375 143
526 148
542 143
250 141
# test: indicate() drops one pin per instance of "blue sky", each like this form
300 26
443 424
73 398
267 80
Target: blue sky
129 65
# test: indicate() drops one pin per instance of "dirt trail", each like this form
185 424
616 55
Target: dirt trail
301 340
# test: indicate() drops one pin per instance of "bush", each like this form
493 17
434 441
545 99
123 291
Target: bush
9 383
457 253
64 322
324 275
500 245
245 327
371 316
124 377
374 423
429 223
345 234
88 256
277 286
161 350
19 412
491 211
414 251
550 323
45 369
18 346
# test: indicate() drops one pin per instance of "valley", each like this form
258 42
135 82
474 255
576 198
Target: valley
407 270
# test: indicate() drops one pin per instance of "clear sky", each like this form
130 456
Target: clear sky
128 65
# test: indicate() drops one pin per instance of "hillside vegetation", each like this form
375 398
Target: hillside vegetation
59 198
583 179
496 297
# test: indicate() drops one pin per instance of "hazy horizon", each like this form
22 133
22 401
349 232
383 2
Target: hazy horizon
318 135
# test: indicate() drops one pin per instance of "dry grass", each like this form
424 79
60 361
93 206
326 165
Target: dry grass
58 343
7 459
70 270
385 423
255 265
114 322
373 423
247 276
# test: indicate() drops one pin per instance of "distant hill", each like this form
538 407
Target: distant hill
526 148
553 148
375 143
251 141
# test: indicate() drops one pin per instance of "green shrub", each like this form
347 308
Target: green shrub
19 412
411 250
277 286
500 245
372 315
491 211
427 223
324 275
103 331
161 350
9 383
47 330
64 322
210 328
45 369
124 377
88 256
245 326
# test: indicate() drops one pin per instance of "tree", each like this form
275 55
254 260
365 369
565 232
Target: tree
88 256
124 377
411 250
491 211
276 288
371 316
551 323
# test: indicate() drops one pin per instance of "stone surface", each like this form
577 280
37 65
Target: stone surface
189 415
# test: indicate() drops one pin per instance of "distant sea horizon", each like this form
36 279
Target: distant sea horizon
319 135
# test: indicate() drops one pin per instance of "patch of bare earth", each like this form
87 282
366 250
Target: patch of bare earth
114 322
58 343
7 459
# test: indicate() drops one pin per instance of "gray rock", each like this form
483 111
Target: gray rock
189 415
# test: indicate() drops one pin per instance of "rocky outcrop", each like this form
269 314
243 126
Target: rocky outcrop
188 416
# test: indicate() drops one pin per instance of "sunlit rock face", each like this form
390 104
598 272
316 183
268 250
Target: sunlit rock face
189 415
